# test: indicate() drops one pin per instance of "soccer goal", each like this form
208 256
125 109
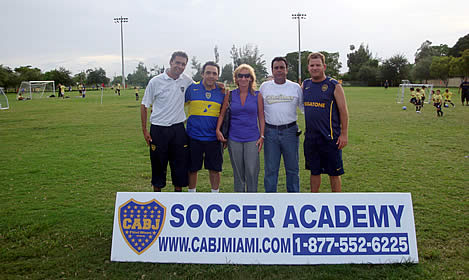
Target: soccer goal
38 88
3 100
407 85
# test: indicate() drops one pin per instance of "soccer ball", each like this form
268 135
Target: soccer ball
446 105
404 108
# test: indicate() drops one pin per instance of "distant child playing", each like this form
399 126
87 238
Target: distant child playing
437 99
447 96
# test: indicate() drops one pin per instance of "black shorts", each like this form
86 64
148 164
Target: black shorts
413 100
169 143
208 152
323 157
464 96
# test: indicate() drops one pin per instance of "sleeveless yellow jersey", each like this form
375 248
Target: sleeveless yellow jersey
418 95
448 95
437 98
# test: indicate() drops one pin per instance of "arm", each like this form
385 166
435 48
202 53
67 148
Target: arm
221 117
222 86
301 105
143 115
260 116
343 114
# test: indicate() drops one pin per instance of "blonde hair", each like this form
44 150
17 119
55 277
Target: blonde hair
252 84
317 55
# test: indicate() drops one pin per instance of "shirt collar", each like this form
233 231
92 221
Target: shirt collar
167 77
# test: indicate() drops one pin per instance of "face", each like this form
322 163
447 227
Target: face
210 75
177 65
279 70
244 78
316 68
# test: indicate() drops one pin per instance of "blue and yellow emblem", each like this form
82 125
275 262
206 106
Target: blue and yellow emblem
324 87
141 223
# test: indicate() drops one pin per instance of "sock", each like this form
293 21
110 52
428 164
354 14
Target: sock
192 190
215 191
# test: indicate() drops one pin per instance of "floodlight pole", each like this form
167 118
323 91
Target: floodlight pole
121 20
299 17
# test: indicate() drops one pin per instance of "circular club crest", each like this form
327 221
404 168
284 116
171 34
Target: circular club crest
208 95
324 87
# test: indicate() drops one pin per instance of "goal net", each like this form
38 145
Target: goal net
37 88
3 100
404 89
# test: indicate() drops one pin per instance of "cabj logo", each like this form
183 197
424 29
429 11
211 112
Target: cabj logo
141 223
324 87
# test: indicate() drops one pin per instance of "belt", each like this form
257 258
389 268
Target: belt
283 126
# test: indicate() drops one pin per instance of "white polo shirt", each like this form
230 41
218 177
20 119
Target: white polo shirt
167 97
281 101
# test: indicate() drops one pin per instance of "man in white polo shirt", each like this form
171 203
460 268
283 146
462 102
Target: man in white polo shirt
167 137
281 100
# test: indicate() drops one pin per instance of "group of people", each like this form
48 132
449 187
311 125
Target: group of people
439 100
417 97
264 118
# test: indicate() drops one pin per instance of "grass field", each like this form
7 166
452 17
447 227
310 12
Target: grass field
62 161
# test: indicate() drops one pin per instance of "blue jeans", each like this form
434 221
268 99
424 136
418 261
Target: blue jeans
281 142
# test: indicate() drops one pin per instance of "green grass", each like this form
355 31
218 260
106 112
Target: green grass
62 161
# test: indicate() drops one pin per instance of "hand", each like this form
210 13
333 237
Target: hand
259 144
220 137
222 86
342 141
147 137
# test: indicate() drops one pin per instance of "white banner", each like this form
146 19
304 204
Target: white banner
261 228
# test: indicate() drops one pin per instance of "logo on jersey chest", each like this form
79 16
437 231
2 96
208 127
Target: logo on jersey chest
208 95
182 89
324 87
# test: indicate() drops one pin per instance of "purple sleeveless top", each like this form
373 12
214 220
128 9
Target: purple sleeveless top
243 127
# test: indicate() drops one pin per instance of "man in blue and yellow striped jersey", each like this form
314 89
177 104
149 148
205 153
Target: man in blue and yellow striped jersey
205 98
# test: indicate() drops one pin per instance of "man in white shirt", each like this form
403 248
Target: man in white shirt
281 100
167 137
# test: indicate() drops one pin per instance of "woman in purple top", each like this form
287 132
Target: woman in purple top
246 135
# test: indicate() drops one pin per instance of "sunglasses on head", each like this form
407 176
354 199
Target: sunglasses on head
247 76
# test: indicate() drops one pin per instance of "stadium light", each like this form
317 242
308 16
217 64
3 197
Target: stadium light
299 16
121 20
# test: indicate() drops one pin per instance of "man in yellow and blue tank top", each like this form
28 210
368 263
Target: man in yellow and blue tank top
205 100
326 118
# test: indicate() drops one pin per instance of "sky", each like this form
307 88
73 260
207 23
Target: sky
79 35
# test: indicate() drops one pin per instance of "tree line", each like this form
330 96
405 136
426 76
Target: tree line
431 62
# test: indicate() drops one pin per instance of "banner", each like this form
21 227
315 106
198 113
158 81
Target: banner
261 228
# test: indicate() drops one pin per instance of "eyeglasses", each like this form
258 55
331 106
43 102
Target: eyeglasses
247 76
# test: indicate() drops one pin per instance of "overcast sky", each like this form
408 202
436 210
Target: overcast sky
79 35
